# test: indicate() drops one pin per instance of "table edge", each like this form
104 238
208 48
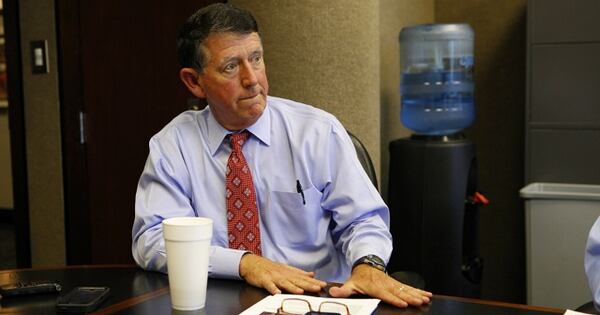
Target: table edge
502 304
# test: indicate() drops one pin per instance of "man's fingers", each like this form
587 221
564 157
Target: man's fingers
290 287
411 295
393 299
341 292
317 283
309 284
425 293
415 291
276 277
304 272
271 287
372 282
302 279
297 269
291 282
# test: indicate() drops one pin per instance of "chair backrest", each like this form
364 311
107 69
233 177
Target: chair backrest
364 158
588 308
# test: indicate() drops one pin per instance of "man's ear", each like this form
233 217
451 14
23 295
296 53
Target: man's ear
189 77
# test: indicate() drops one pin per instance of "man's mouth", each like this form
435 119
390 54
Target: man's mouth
249 97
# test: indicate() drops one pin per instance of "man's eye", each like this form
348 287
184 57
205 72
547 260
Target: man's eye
230 67
257 59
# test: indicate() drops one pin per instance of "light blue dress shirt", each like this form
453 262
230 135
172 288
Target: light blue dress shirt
344 217
592 262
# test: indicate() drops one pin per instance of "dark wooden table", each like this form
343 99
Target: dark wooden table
134 291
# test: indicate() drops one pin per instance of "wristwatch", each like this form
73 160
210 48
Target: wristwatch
371 260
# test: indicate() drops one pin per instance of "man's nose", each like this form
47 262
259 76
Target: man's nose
249 77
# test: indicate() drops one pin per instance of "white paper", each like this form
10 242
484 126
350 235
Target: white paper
272 302
570 312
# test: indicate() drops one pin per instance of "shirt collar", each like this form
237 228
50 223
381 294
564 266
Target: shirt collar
260 129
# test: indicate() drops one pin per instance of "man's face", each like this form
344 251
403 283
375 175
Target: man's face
234 80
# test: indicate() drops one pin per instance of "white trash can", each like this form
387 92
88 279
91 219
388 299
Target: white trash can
558 218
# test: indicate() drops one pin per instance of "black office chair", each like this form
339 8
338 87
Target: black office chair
588 308
410 278
364 158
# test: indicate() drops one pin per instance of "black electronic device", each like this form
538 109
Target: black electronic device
82 299
29 287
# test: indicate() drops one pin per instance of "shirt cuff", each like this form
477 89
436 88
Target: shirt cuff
225 262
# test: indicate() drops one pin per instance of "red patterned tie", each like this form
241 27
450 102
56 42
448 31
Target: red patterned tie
242 211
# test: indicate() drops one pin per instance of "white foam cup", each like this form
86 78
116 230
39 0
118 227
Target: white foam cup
187 242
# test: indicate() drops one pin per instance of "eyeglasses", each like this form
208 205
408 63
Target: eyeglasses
294 306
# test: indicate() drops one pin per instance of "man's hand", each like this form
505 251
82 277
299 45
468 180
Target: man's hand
275 277
375 283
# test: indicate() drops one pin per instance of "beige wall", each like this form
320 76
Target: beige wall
43 139
342 56
6 198
325 53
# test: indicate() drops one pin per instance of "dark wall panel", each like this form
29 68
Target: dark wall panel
565 156
564 84
583 24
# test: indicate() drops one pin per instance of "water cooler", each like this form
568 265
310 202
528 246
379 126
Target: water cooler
433 195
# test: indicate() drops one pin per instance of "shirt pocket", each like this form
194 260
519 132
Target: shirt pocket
299 224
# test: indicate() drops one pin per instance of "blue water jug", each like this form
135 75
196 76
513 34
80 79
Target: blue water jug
437 78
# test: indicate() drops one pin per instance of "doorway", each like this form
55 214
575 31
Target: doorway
119 79
14 218
8 257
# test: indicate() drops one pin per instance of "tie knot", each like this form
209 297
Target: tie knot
238 139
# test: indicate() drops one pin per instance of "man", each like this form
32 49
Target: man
592 262
290 201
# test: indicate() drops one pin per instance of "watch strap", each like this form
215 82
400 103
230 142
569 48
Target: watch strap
371 260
